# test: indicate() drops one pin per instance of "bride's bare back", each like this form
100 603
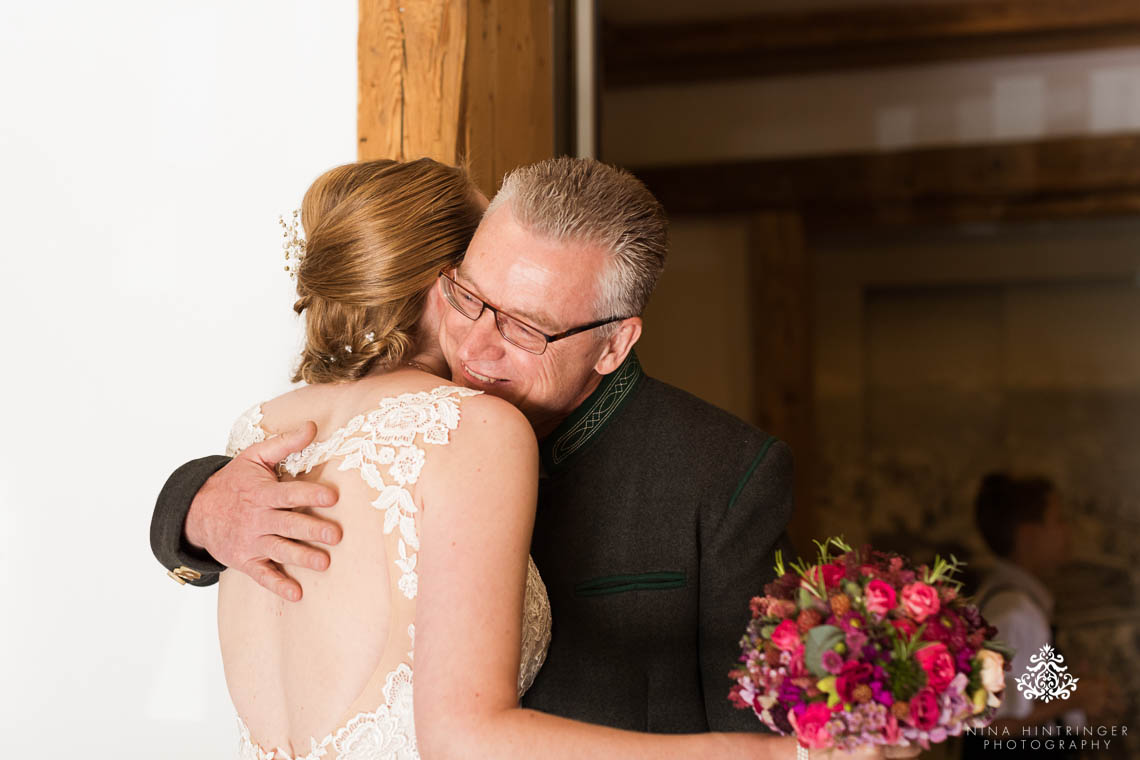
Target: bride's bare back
336 667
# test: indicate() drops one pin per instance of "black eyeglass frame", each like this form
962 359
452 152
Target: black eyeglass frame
499 313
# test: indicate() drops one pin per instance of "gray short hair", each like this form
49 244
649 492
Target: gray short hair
585 201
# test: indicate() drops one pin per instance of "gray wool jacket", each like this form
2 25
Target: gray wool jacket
658 519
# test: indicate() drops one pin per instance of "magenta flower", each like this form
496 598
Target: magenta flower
924 709
935 659
832 662
811 726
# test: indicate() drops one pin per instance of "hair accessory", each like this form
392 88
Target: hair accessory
370 336
293 241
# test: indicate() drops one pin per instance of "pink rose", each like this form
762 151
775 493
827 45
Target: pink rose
786 636
935 659
811 726
920 600
879 597
796 665
924 710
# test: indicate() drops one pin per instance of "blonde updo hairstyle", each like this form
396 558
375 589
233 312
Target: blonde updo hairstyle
378 235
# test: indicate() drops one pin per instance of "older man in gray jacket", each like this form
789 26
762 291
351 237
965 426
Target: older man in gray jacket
658 514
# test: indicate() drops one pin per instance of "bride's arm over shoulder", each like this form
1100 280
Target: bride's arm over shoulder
478 497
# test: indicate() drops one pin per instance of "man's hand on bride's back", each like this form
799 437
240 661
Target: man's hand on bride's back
243 516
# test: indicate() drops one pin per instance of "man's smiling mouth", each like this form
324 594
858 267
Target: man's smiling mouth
481 378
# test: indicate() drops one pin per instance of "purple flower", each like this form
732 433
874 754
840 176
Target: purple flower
880 694
790 694
832 662
780 720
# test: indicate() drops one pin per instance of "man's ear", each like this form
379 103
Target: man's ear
618 345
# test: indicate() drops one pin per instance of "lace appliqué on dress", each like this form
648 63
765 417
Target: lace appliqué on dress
246 431
389 732
535 628
386 436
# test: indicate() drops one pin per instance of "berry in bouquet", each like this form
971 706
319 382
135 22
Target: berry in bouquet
862 648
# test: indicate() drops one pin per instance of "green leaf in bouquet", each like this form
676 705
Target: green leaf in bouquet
807 600
819 640
904 677
767 631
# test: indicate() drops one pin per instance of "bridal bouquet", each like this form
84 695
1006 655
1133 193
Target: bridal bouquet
863 648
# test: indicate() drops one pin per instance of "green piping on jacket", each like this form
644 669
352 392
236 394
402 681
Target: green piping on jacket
748 475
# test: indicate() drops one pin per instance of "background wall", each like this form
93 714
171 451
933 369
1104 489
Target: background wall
146 151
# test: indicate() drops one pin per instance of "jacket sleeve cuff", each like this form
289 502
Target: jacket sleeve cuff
167 535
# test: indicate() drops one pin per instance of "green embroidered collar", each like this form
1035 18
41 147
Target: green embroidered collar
591 416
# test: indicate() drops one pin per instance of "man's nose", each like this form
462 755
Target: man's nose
483 341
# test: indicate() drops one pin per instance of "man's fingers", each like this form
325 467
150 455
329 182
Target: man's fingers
299 493
302 527
272 451
270 577
286 552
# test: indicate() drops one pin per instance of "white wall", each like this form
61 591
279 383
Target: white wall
145 151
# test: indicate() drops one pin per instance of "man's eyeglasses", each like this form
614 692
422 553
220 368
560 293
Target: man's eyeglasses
514 330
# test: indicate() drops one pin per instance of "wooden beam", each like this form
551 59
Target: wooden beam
804 41
1065 177
457 81
508 113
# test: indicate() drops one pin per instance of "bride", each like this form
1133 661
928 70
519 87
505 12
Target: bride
431 585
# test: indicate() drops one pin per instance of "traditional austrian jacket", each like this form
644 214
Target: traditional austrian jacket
658 518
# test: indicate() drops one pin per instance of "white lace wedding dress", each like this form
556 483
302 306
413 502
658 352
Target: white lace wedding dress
388 446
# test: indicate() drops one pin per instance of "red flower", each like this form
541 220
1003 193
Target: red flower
920 600
786 636
905 628
852 675
935 659
924 709
832 574
879 597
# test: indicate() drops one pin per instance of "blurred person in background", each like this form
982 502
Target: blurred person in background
1022 523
